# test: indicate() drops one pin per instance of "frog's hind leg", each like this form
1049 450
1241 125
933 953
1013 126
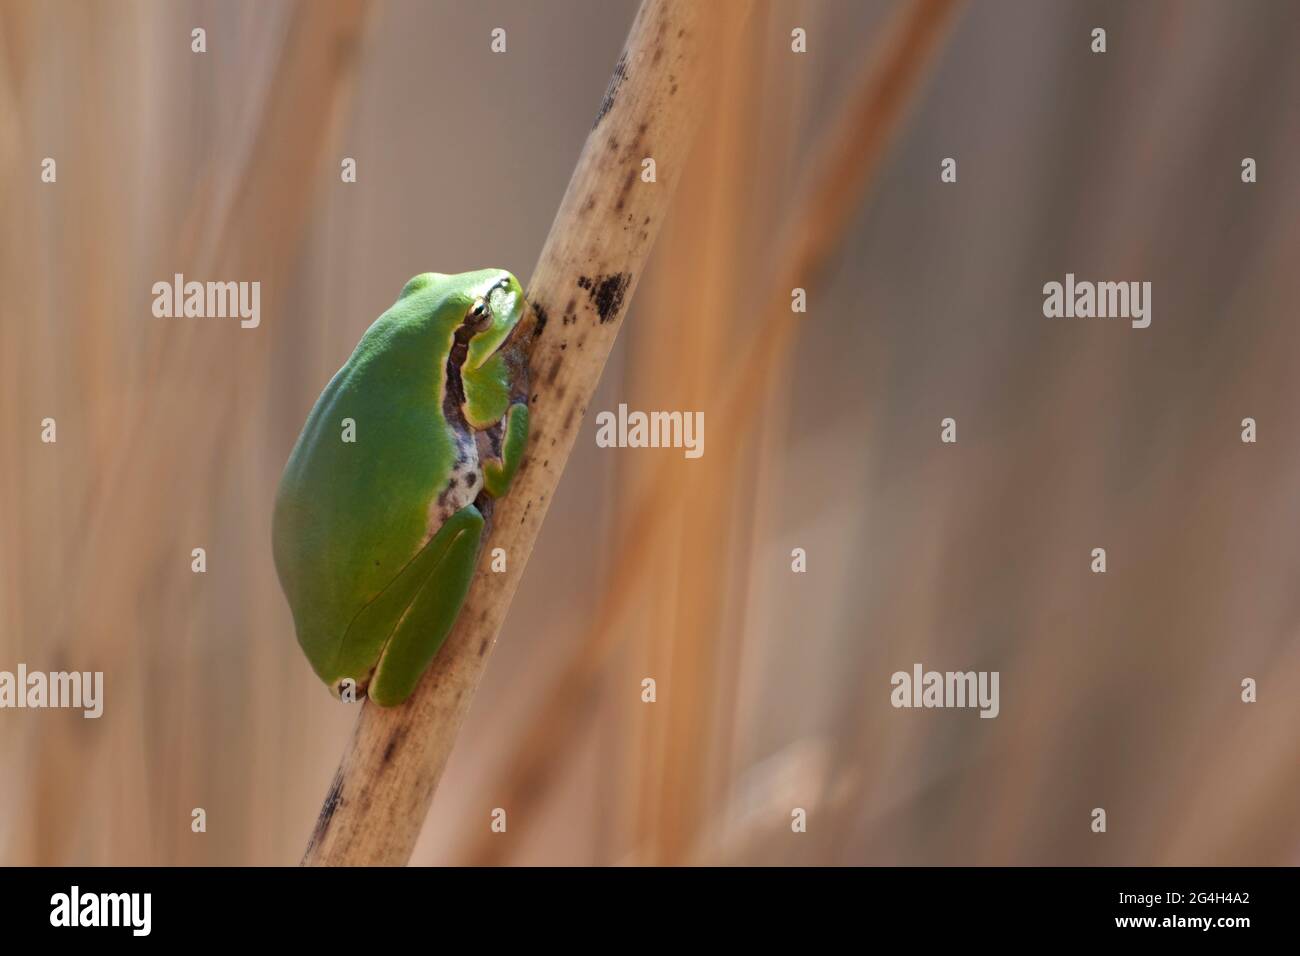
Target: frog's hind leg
428 619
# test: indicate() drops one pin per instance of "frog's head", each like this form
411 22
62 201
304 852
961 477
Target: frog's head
469 319
494 312
483 307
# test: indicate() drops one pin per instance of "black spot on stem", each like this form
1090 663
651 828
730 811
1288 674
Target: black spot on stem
606 293
542 318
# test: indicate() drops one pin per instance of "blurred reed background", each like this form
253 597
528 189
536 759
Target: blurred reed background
1118 691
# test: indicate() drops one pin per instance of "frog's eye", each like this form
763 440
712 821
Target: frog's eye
478 315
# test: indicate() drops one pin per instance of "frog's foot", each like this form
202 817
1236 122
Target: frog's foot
504 449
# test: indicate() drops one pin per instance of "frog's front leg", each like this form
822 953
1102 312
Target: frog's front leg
420 631
502 448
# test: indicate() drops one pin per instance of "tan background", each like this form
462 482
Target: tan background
1118 691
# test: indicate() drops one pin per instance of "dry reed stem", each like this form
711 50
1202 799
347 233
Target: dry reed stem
680 766
585 277
842 168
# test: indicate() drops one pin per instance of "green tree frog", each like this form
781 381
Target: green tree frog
384 499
